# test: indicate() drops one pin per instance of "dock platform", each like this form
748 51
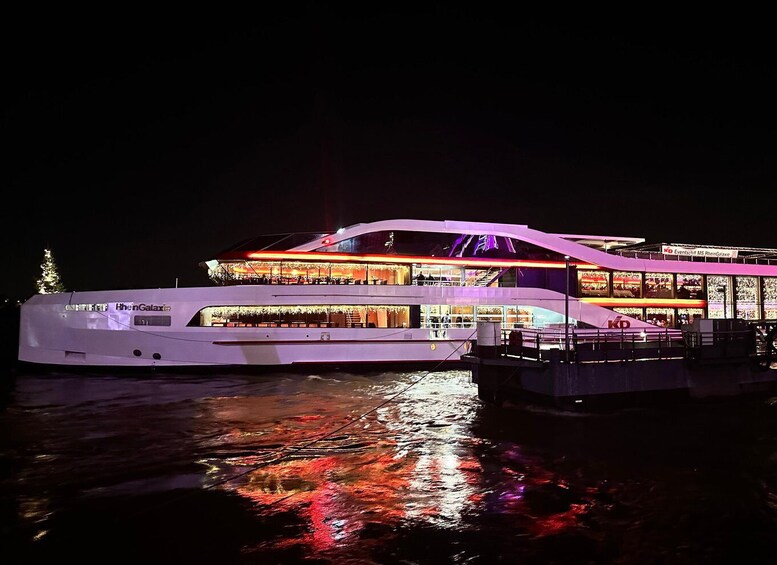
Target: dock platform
591 370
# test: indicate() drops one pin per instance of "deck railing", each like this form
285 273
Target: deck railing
769 259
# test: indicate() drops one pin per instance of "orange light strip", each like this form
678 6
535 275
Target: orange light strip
646 302
402 259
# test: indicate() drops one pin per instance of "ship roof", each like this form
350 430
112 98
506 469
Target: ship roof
606 251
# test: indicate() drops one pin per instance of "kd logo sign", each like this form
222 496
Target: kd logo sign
618 323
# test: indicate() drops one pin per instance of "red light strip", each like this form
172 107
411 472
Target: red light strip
401 259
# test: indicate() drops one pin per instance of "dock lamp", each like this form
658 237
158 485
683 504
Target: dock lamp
566 311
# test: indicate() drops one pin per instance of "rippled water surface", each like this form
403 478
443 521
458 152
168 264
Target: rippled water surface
406 467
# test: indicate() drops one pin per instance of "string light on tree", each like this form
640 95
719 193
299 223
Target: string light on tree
49 281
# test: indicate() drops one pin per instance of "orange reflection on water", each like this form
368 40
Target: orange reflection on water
337 496
407 461
338 471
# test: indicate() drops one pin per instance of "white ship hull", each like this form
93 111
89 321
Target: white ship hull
52 334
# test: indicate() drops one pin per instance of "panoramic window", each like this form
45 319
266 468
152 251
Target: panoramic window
301 316
297 272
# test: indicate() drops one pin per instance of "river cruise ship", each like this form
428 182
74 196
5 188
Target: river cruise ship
398 291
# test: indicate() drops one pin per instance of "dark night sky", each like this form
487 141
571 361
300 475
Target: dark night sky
138 146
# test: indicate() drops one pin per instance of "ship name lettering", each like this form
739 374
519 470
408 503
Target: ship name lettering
143 307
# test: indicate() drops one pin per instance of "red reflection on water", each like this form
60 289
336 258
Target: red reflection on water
542 502
344 477
337 496
555 523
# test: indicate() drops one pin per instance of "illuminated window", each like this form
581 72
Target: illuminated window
769 285
661 317
637 313
658 285
626 284
463 316
516 317
690 286
688 315
748 306
593 283
718 296
439 275
490 313
304 316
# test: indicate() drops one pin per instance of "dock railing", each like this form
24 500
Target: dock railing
593 345
723 342
754 339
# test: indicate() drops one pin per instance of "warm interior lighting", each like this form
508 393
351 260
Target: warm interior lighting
402 259
646 302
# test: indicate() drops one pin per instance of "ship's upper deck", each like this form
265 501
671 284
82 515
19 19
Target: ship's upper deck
459 239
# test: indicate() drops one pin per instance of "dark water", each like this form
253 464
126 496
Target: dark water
370 468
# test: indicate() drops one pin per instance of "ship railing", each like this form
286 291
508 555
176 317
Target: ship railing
768 259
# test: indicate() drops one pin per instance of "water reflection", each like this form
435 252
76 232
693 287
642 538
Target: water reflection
372 468
411 459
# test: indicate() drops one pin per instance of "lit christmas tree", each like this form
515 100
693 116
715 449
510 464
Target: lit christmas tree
49 282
